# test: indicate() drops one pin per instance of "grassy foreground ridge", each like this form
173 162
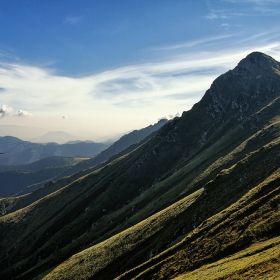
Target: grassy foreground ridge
198 200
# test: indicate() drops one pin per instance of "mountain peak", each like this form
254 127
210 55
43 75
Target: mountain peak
258 59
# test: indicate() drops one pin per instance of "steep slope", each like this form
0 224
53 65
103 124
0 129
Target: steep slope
259 261
120 145
206 186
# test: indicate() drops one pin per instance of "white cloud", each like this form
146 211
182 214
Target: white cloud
7 111
141 90
177 78
22 113
194 43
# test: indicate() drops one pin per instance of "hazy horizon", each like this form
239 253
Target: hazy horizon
36 134
98 68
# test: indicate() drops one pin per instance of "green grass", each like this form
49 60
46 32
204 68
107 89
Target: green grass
250 219
259 261
86 264
40 228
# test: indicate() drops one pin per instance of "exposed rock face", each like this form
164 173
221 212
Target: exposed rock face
233 98
250 86
257 61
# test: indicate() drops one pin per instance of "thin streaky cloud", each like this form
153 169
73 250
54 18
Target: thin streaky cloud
269 35
265 7
215 14
256 8
194 43
267 11
73 20
258 2
136 86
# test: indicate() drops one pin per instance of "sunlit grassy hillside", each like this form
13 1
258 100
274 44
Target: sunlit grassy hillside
203 192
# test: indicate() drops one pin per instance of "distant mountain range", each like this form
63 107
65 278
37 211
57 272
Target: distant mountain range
41 135
24 178
78 141
18 152
197 199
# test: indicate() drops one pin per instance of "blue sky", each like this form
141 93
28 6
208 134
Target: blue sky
94 68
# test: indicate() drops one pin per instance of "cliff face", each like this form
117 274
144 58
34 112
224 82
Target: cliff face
206 186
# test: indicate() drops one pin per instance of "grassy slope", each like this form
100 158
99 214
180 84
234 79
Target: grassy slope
271 130
236 170
254 218
162 200
259 197
93 260
259 261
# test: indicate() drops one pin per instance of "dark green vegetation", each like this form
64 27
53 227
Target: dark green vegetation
25 178
48 162
199 198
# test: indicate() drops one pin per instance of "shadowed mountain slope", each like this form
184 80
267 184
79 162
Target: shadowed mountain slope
25 178
120 145
204 191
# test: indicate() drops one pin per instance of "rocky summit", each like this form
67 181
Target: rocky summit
200 199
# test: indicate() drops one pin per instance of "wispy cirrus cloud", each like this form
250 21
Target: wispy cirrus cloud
226 9
175 83
227 25
257 2
194 43
215 14
72 20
